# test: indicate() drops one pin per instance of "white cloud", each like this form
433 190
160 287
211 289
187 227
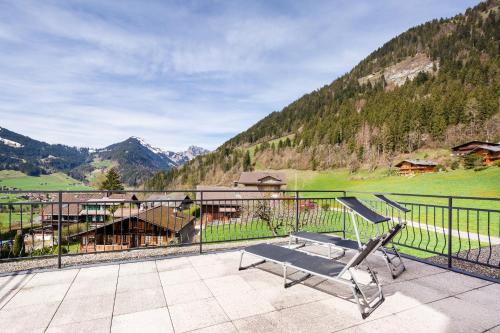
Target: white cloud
90 73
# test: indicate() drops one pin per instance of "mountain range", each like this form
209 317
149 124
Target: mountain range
135 159
433 86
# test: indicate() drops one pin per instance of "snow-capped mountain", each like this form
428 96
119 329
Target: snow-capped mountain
187 155
135 159
178 157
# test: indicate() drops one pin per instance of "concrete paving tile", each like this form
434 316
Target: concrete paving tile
138 282
281 298
31 318
451 283
414 270
216 270
232 284
54 277
388 324
495 329
198 314
98 273
14 281
244 304
449 315
178 276
173 264
220 328
259 279
487 296
320 316
100 325
138 300
94 287
403 296
186 292
141 267
156 320
83 309
205 260
260 323
38 295
10 285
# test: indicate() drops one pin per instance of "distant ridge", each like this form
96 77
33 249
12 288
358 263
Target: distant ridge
135 158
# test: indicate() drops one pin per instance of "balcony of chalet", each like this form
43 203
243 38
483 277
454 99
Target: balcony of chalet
207 293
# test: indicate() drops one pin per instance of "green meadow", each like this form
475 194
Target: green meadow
485 183
52 182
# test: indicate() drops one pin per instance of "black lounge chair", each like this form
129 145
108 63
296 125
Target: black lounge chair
313 265
394 262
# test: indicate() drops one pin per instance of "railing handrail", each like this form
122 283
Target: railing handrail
237 189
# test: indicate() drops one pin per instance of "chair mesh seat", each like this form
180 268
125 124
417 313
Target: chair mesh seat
301 260
326 239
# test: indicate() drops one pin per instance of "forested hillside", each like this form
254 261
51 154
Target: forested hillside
435 85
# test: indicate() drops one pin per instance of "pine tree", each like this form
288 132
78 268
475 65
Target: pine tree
247 162
112 181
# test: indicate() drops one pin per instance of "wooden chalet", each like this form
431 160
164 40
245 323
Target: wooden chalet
468 147
411 167
490 152
71 207
87 207
225 206
264 181
156 226
176 200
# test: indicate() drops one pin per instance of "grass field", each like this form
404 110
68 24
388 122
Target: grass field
52 182
413 241
461 182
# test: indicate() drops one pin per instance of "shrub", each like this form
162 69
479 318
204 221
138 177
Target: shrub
455 165
5 251
441 167
472 161
48 250
18 247
480 168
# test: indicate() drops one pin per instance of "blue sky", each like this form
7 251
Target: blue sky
177 73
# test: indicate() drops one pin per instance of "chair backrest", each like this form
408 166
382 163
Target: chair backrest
372 245
391 234
359 208
392 203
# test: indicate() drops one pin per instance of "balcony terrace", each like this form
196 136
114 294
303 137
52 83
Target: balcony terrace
207 293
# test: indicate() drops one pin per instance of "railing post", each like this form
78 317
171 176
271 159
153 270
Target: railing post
450 226
343 216
297 218
201 221
59 231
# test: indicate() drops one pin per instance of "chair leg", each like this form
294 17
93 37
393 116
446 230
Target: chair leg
395 263
241 268
366 303
284 277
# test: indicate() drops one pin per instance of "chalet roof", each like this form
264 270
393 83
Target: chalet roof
126 211
488 147
67 209
177 196
475 142
257 178
122 197
161 216
73 202
73 207
418 162
228 196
